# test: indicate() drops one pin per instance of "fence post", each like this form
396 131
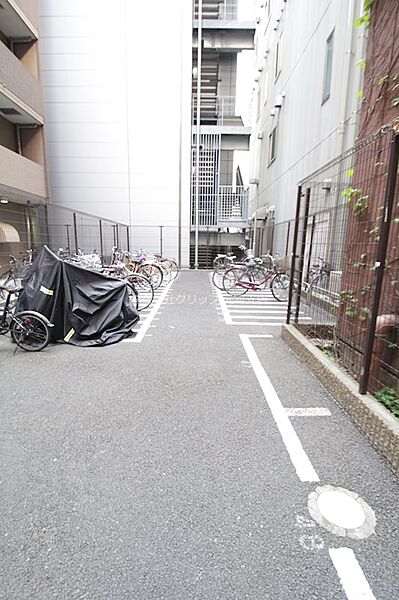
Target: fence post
127 239
160 239
68 240
380 262
100 224
75 233
288 238
310 246
293 255
302 255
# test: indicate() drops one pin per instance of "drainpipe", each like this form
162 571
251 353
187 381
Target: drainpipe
179 233
352 4
347 71
199 75
255 216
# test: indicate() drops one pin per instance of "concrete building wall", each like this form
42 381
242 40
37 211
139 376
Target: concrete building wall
118 112
309 132
227 75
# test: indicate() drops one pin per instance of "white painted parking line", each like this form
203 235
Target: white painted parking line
268 317
258 308
299 458
317 411
145 326
351 576
147 316
226 314
272 311
258 323
260 335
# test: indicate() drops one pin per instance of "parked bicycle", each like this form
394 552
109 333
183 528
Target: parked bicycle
29 329
317 282
223 262
238 280
19 266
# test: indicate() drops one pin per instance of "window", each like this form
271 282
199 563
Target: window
272 145
328 68
277 59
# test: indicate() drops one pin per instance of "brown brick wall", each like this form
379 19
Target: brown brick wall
382 67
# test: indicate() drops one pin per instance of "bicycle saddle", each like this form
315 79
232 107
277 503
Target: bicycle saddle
11 290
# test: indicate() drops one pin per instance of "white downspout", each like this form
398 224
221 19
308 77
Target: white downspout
347 74
199 75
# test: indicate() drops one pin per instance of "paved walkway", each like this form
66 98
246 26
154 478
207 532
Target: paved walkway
172 469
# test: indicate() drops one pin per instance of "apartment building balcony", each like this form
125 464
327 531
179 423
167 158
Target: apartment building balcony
21 179
20 91
219 116
19 19
227 207
223 27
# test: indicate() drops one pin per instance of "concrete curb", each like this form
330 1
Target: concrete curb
373 419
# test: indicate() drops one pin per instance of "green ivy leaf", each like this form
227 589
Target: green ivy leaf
362 64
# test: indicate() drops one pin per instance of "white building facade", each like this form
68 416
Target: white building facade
306 98
117 98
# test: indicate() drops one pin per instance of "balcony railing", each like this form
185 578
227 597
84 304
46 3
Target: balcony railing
21 175
233 203
216 110
220 10
29 8
18 80
226 208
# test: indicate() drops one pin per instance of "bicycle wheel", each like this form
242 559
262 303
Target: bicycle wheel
280 285
144 290
236 282
217 279
153 272
30 332
10 281
219 264
172 268
133 295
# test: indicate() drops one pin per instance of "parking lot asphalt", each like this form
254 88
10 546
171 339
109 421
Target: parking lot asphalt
161 470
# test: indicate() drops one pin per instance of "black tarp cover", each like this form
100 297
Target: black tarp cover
86 308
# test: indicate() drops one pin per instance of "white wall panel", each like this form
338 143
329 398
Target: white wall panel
309 133
91 165
117 90
87 149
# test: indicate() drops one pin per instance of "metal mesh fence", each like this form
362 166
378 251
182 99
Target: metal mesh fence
24 227
344 289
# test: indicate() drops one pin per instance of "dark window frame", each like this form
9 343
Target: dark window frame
328 66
